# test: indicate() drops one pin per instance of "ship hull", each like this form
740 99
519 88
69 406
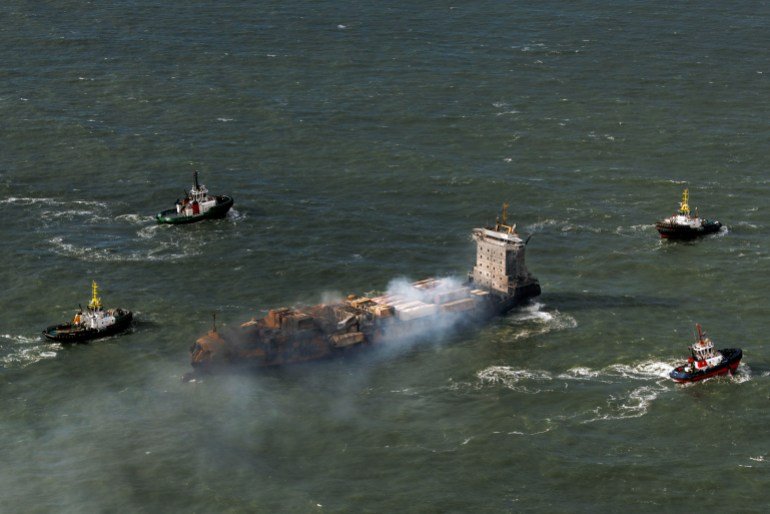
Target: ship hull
685 232
253 346
67 333
172 217
732 358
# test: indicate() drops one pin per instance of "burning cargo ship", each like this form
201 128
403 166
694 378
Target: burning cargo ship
498 282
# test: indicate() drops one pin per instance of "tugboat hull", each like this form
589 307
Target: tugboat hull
684 232
732 357
67 333
172 217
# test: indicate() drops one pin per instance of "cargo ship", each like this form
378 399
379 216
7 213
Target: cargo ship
498 282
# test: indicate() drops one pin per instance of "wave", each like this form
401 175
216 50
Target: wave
165 251
519 380
634 229
52 211
538 321
14 200
135 219
235 215
533 227
26 350
635 404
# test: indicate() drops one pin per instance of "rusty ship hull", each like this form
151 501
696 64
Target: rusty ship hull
498 283
289 336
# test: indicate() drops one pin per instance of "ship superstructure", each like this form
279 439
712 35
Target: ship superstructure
500 266
499 281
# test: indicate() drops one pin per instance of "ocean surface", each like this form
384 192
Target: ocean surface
362 142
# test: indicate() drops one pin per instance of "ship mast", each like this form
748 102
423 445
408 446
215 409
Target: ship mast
96 302
502 222
684 206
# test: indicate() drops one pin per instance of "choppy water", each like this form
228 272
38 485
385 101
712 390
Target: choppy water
362 142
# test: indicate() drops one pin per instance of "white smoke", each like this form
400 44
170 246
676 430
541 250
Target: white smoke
402 287
435 327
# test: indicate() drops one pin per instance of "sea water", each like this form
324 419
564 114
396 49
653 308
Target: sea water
362 143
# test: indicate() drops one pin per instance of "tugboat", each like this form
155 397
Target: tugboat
196 205
705 362
93 323
684 226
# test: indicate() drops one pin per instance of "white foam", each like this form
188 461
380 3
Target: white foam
633 229
32 200
633 405
147 232
166 251
520 380
544 321
579 374
234 215
742 374
28 201
645 370
543 223
27 350
136 219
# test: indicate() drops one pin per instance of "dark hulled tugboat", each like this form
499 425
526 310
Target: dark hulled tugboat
682 225
93 323
705 362
196 205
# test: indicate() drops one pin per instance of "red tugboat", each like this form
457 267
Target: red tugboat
705 362
683 225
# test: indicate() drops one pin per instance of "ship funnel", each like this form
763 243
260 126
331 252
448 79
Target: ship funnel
196 186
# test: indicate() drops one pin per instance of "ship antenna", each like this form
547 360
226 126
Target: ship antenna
684 207
96 302
214 321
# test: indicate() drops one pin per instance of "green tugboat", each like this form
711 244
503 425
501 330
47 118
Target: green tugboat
94 323
197 205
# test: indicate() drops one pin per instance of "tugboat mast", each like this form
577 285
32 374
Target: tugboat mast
684 206
96 302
